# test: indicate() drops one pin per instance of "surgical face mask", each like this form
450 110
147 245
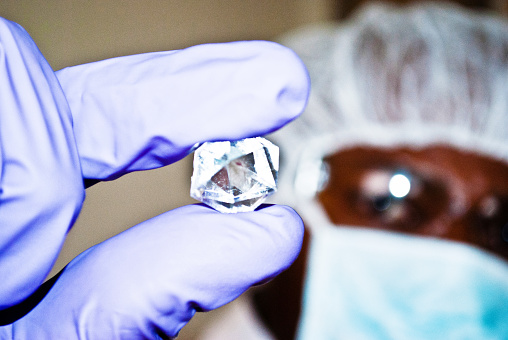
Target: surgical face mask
368 284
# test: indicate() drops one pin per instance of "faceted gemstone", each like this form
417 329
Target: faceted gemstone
235 176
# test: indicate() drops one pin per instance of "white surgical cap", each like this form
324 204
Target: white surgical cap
414 76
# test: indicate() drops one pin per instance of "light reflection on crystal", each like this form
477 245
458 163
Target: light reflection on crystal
235 176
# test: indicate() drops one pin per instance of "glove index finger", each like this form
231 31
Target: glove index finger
145 111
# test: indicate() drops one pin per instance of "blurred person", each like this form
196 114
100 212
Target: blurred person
63 131
399 168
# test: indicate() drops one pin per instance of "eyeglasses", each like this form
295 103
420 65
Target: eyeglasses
413 193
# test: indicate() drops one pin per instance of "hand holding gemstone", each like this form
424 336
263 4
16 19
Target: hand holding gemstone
235 176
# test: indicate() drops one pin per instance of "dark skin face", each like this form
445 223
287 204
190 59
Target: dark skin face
454 195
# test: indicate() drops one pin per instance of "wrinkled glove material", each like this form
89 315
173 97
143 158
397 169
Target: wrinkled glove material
41 187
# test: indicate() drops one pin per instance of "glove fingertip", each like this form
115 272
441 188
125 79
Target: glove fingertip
287 229
294 96
288 77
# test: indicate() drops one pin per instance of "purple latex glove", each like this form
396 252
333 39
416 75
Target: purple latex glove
41 187
102 120
151 278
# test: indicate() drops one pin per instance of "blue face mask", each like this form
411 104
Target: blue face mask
368 284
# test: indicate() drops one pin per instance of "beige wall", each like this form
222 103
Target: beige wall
74 32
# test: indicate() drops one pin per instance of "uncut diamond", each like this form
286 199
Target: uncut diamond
235 176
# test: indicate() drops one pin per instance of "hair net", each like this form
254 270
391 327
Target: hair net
424 74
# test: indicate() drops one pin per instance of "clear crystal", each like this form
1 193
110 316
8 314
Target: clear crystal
235 176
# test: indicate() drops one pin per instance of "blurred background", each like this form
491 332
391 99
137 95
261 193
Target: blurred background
75 32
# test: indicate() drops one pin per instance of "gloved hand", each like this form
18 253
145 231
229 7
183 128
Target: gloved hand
105 119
